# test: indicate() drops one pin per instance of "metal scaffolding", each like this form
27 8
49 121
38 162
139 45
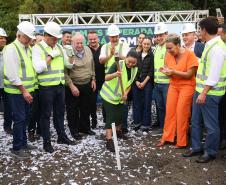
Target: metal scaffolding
116 17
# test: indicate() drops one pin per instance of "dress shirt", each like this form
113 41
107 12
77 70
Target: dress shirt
39 64
191 48
12 63
217 57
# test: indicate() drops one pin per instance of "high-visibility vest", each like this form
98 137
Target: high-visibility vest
26 71
111 90
203 72
111 61
54 74
159 61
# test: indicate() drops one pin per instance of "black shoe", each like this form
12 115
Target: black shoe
191 153
48 147
94 126
205 158
125 130
89 132
121 135
110 145
136 128
9 131
31 136
76 136
65 141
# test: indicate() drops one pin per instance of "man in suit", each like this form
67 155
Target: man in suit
188 35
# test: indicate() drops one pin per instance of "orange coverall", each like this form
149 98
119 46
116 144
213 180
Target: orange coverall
179 99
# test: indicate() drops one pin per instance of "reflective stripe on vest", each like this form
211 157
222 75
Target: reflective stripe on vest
203 73
111 91
26 73
159 61
109 63
52 76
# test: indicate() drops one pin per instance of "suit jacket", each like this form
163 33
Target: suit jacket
199 47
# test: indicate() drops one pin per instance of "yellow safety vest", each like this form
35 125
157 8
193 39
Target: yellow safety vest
159 61
54 74
111 61
203 72
26 71
111 90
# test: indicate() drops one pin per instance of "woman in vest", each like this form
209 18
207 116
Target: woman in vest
142 89
114 92
181 67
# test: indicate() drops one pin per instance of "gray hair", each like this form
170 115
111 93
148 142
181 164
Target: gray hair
19 33
78 35
174 38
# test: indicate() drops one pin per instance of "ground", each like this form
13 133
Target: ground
88 162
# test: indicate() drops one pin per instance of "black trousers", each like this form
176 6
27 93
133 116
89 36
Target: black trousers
52 99
6 108
34 124
222 117
78 108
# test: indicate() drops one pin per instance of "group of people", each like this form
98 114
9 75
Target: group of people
187 81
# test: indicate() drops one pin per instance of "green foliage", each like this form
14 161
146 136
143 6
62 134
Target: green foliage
9 16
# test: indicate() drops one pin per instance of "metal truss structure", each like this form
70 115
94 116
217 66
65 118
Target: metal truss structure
116 17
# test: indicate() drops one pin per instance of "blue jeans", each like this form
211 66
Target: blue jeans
52 98
142 105
209 113
222 117
161 91
7 110
21 111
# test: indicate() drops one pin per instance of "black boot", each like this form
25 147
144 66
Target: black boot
121 135
65 140
48 147
110 145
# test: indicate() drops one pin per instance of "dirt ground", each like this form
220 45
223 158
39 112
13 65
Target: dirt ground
89 163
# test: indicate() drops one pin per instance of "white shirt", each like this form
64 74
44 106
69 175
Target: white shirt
217 57
39 64
125 50
12 63
191 48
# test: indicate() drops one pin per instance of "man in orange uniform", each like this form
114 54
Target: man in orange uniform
181 66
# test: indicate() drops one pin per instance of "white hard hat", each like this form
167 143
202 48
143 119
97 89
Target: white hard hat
113 30
27 28
2 32
160 28
188 27
53 29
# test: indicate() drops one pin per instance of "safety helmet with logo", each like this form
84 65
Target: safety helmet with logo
113 30
188 27
27 28
53 29
160 28
2 32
